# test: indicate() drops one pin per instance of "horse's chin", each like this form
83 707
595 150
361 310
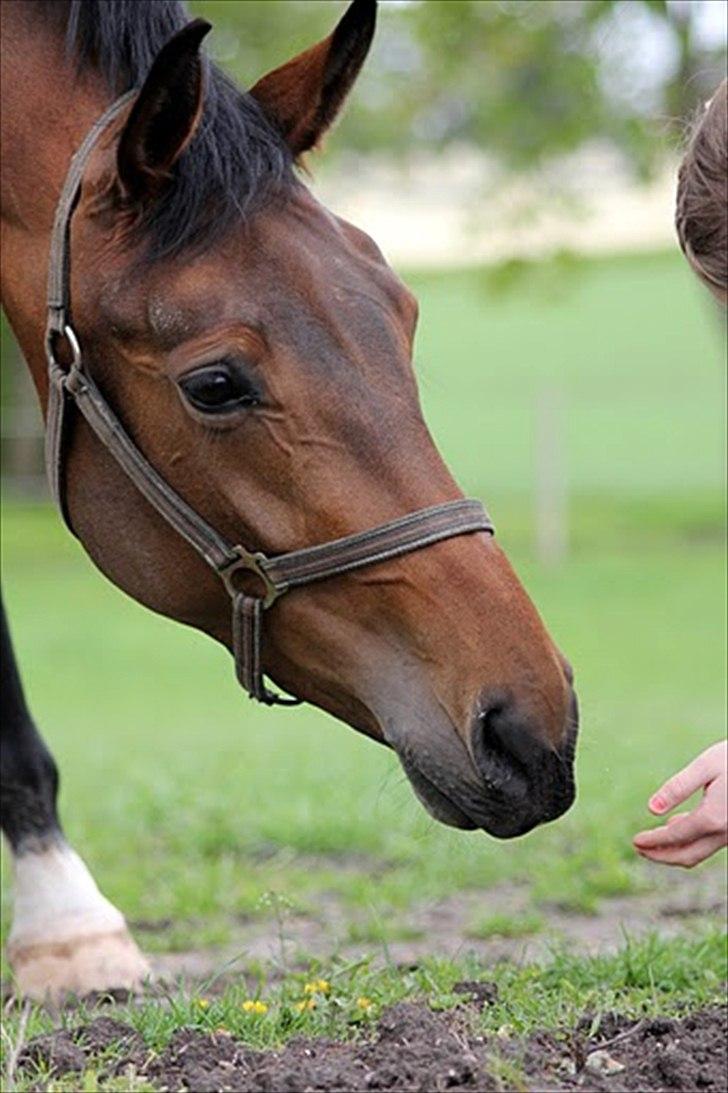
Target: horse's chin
452 798
440 807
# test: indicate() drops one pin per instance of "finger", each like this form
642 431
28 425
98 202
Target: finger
687 855
684 829
648 832
681 786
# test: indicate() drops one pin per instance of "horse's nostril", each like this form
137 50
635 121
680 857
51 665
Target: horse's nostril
504 747
523 778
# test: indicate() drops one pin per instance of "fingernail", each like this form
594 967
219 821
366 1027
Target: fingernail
657 804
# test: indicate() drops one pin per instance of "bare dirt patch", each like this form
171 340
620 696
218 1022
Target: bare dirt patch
415 1049
673 905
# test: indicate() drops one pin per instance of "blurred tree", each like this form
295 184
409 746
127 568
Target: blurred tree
524 79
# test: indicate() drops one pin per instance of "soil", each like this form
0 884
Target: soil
412 1047
416 1049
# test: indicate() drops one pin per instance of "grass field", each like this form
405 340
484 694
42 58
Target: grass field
197 810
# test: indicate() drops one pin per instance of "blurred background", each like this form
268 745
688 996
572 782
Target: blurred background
516 163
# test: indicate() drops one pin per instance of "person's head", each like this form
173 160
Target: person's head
701 215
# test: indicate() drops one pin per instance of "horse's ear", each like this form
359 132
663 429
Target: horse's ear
303 97
164 116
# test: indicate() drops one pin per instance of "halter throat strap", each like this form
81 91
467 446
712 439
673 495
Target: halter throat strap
71 388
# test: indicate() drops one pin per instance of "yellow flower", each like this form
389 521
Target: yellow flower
203 1003
305 1004
364 1003
222 1031
318 986
253 1005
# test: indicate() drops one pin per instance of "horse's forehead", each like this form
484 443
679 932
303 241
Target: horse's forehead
285 261
302 240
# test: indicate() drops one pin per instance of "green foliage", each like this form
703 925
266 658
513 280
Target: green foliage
524 79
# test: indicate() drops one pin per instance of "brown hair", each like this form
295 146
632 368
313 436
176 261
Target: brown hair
701 215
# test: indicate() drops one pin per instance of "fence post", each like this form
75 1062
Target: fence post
551 488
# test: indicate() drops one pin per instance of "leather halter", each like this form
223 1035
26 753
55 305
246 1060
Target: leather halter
72 387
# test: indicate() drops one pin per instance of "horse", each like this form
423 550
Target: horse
253 352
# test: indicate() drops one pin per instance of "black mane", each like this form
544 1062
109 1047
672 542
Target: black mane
236 159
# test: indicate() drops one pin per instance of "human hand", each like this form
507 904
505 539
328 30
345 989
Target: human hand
690 837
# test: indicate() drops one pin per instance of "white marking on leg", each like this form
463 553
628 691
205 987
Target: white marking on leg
66 935
55 894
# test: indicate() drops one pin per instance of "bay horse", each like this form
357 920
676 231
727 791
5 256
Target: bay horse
254 350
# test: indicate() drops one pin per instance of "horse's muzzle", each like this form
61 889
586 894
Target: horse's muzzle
506 783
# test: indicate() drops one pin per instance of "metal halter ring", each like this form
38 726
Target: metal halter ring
70 336
250 562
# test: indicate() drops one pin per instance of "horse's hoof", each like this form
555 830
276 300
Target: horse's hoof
67 938
79 965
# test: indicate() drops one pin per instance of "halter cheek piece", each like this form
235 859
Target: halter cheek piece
72 387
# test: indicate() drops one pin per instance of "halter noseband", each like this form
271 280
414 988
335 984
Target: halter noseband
72 386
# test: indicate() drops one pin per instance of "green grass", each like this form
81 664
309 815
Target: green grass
577 882
637 348
342 1000
193 805
379 932
503 925
92 1080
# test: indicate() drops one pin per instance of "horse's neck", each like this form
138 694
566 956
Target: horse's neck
46 111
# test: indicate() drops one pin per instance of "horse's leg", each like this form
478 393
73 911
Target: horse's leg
66 936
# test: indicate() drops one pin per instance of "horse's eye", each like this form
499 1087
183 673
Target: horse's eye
218 388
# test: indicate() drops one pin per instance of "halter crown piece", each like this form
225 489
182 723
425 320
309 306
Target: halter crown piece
72 387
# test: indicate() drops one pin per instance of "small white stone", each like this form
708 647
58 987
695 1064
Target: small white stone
601 1063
